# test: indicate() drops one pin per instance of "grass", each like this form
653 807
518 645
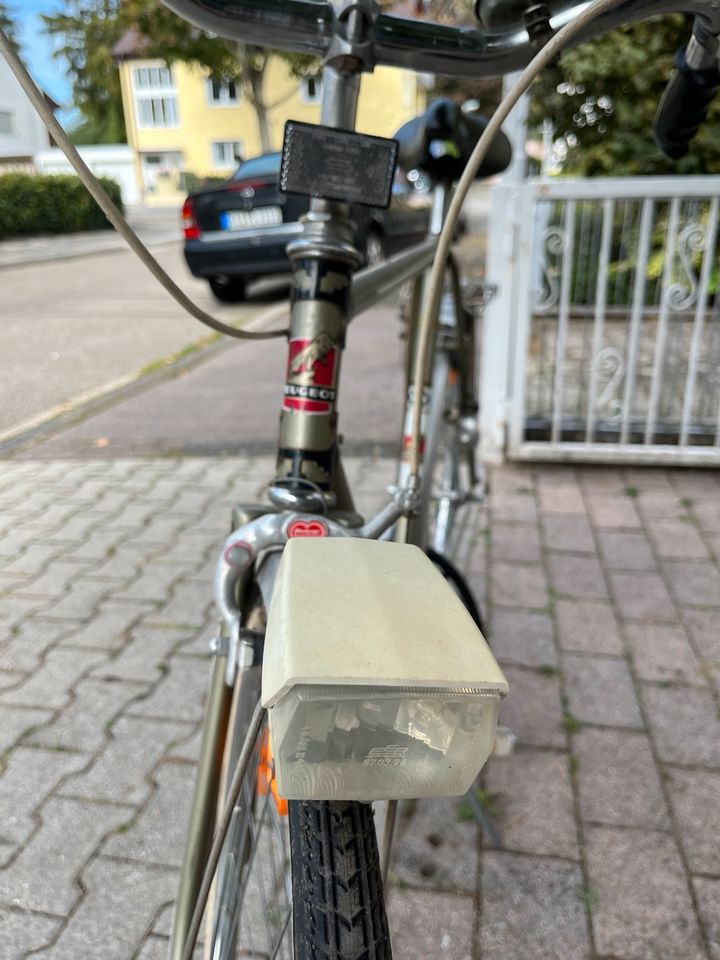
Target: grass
573 765
631 491
588 897
490 802
164 362
547 670
571 723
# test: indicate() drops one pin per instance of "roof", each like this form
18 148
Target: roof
132 44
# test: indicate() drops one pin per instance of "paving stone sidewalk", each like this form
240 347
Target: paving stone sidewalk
602 591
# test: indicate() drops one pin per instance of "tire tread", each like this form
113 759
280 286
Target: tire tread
338 903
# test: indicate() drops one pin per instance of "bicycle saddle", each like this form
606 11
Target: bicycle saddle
441 140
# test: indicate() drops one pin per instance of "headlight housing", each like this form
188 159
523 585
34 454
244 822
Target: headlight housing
378 683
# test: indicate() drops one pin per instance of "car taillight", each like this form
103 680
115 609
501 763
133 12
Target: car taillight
189 223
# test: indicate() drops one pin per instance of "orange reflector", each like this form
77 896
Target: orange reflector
266 776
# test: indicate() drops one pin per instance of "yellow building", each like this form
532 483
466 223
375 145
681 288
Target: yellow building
180 122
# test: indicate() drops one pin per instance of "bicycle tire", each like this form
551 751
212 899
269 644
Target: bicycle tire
338 904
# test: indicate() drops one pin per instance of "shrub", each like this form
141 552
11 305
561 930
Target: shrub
32 204
191 182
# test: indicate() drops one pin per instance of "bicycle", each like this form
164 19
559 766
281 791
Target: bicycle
312 866
450 407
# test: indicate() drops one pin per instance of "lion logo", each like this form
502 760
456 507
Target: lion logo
302 368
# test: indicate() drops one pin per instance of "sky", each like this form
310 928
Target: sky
37 48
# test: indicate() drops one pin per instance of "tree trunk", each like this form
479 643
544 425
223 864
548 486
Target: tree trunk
257 75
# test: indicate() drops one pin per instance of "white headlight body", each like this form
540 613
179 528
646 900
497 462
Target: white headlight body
377 681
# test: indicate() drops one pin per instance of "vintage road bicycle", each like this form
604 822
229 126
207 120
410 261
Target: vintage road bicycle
376 679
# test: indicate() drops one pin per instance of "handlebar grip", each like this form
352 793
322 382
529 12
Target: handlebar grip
684 106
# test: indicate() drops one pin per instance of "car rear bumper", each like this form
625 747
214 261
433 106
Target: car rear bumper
241 252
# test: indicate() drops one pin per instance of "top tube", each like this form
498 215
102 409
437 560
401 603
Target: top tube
308 26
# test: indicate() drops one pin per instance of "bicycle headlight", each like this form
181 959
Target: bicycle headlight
377 681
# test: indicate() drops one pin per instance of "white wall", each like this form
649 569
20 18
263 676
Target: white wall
28 132
116 161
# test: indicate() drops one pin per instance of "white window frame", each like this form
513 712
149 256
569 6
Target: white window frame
162 91
233 162
306 96
225 99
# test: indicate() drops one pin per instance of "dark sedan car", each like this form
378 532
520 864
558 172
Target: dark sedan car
239 230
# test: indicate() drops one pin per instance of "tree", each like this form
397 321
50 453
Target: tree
7 25
88 30
602 97
91 28
172 39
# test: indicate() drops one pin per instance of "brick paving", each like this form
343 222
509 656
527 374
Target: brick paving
601 589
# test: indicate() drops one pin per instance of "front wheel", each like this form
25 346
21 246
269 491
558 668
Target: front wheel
296 880
338 903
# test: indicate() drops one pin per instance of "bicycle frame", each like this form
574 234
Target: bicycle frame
310 479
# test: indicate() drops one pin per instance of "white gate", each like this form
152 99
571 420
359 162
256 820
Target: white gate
603 342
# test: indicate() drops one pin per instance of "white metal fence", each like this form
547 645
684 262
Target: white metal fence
603 342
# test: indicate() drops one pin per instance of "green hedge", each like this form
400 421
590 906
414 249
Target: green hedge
191 182
49 204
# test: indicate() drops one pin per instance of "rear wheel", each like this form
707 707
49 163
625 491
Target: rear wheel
228 289
374 250
450 476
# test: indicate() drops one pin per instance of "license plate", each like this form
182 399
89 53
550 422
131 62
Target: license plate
242 219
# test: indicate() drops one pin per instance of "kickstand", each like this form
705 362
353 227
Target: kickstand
484 819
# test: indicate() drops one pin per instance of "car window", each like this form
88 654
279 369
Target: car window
264 166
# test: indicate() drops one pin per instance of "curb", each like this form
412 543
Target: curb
87 405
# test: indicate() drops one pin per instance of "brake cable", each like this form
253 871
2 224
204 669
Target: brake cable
437 274
98 193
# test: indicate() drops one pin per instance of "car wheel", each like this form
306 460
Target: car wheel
228 289
374 251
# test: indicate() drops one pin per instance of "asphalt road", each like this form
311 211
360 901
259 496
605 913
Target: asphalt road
79 326
77 330
230 403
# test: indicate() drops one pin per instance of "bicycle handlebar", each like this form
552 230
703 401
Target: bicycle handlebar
308 26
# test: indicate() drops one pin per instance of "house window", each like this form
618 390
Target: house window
311 90
222 92
155 98
226 153
6 121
